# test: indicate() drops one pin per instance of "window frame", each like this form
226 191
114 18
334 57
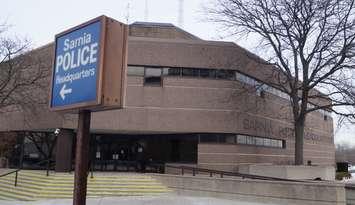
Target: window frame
152 83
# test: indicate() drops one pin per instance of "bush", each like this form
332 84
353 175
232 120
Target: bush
342 175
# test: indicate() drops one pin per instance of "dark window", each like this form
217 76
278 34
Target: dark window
284 144
152 76
325 117
207 73
230 138
191 72
209 138
172 71
222 138
225 74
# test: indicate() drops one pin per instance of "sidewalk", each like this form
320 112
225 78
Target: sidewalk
4 171
156 200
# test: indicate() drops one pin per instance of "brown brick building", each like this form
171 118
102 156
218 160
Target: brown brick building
189 101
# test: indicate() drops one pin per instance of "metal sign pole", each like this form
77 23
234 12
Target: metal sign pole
81 157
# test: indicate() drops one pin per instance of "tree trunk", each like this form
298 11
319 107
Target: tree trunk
299 133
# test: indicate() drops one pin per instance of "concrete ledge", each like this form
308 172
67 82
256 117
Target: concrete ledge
350 194
307 193
290 172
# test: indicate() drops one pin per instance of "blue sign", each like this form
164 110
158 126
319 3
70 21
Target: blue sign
76 66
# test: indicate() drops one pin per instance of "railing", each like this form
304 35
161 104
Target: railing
15 171
48 165
211 172
125 165
47 161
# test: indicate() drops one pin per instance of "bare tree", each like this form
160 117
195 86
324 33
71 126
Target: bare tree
22 74
345 153
23 81
44 143
8 141
312 46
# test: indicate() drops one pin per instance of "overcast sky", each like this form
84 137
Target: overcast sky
40 20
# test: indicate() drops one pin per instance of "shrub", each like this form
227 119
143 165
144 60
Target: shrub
342 175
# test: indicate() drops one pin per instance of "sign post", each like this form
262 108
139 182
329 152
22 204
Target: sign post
81 157
89 70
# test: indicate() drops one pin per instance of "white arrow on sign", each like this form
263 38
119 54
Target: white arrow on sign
64 91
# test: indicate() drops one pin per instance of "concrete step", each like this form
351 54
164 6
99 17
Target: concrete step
96 195
15 195
70 176
26 190
4 198
98 179
26 185
34 185
120 190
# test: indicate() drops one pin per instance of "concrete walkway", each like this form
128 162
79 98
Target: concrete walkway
156 200
4 171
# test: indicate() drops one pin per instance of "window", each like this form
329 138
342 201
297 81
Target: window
225 74
135 71
239 77
152 76
274 143
230 139
241 139
222 138
207 73
259 141
172 71
283 144
280 143
267 142
250 140
191 72
212 138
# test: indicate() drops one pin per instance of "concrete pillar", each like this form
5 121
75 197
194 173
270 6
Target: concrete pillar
64 150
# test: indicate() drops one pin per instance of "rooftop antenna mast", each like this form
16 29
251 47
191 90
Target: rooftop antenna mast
146 11
127 15
181 13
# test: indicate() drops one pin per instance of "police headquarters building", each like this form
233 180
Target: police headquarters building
187 101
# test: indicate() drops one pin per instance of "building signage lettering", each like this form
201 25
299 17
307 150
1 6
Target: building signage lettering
76 66
258 125
266 127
